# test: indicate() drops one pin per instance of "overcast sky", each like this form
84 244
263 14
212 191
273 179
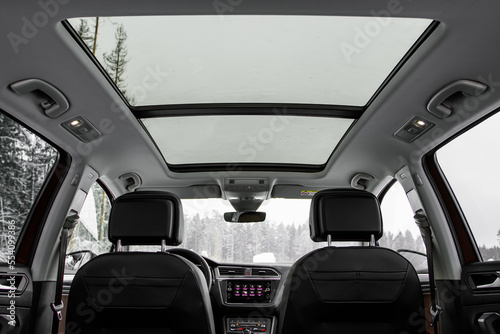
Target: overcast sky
291 59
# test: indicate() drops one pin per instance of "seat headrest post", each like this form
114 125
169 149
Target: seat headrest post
372 241
118 245
163 246
329 239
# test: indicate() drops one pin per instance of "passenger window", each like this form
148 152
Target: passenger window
400 231
26 161
90 237
469 163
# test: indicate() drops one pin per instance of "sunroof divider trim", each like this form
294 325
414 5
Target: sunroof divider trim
248 109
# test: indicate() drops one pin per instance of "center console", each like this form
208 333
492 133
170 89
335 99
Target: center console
249 296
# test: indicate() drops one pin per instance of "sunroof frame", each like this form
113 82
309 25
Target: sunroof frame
312 110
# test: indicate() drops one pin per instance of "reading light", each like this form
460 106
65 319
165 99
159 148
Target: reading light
76 123
81 128
413 129
420 123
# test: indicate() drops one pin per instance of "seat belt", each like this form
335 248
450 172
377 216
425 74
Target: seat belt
57 305
425 229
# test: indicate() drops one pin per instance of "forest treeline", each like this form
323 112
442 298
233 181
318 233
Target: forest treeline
25 161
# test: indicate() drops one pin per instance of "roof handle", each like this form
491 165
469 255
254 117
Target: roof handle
438 105
359 181
54 102
132 179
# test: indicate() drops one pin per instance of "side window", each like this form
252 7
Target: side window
400 231
26 161
470 163
90 237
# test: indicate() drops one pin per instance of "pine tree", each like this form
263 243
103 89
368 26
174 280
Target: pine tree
25 161
117 60
83 30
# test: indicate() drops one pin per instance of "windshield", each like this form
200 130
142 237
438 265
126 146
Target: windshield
282 238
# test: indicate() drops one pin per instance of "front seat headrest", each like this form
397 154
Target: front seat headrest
146 218
345 215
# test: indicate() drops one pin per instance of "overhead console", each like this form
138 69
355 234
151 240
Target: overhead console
246 194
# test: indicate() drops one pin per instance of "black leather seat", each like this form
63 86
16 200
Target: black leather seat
141 292
360 289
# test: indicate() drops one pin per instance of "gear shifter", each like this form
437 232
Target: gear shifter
247 331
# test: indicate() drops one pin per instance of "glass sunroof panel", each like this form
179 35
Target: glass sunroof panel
247 139
329 60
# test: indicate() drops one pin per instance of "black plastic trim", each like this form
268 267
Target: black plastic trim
386 189
279 109
234 167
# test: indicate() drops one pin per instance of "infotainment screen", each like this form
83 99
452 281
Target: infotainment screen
248 291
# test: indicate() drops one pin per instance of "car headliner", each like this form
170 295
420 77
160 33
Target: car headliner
452 52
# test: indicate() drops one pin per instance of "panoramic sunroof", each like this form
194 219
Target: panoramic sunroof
247 138
326 60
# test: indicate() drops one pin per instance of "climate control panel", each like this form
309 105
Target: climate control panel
248 326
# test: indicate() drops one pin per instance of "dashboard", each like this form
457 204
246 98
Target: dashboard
245 298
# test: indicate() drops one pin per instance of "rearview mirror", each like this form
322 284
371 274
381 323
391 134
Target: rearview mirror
245 217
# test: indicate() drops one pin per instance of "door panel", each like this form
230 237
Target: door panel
16 294
460 169
481 297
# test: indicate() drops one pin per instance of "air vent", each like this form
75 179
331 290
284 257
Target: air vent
264 272
231 271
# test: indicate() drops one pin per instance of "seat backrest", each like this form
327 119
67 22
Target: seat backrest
361 289
141 292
